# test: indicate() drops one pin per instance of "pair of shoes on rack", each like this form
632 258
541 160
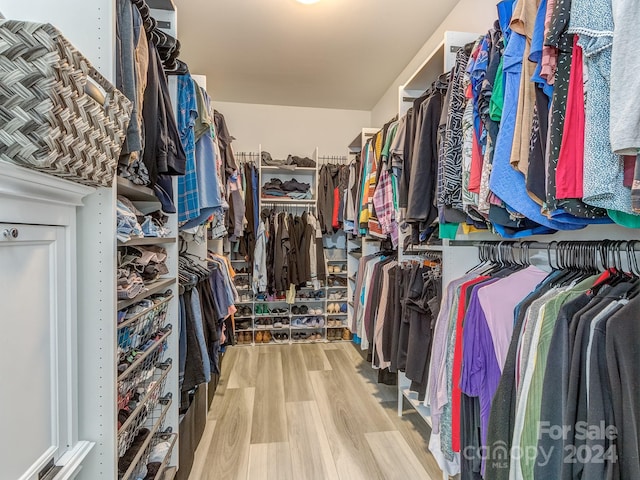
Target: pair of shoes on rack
244 325
300 310
246 298
263 337
304 337
334 334
336 269
334 281
244 338
314 322
264 322
280 311
281 337
334 322
337 308
280 322
262 309
337 296
244 311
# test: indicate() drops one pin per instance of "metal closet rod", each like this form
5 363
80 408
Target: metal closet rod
288 204
534 245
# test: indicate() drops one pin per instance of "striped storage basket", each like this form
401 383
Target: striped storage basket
57 113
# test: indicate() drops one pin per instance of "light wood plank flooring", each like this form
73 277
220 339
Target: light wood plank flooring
309 412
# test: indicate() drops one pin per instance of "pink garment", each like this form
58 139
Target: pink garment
476 165
570 169
549 54
629 167
498 302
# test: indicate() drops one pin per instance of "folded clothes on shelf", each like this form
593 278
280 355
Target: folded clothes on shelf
291 160
134 224
129 283
291 188
147 261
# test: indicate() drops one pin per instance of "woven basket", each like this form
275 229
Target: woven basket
51 115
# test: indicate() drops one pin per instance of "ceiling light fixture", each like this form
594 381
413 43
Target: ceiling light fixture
308 2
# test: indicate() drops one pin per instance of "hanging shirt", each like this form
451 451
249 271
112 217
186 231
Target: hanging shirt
480 370
188 200
507 183
603 170
523 22
529 437
499 300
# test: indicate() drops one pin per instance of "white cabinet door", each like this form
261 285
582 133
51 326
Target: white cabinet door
35 363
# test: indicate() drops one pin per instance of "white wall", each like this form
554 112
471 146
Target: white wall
468 16
283 130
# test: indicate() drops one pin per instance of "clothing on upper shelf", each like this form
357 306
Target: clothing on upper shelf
276 188
514 138
137 266
134 224
292 161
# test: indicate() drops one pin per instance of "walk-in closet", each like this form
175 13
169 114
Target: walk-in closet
319 240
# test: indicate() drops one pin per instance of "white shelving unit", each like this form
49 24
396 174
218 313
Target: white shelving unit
97 409
321 303
286 172
441 60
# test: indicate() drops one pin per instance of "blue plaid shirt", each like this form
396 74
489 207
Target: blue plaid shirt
188 202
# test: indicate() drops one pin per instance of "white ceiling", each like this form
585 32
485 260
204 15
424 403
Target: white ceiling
333 54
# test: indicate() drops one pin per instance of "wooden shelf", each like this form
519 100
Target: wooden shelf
150 289
136 193
148 241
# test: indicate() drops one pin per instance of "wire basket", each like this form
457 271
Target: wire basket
146 409
139 329
161 446
140 377
130 466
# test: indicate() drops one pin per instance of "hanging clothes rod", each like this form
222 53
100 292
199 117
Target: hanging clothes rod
534 245
288 204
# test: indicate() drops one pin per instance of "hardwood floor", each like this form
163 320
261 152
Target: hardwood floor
309 412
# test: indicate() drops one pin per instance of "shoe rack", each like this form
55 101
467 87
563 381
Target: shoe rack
315 316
